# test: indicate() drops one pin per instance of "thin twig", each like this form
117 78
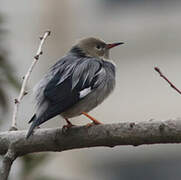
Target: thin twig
25 80
7 162
166 79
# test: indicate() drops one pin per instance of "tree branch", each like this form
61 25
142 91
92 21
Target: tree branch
26 78
148 132
167 80
8 160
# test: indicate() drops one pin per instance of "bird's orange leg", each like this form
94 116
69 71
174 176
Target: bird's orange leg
95 121
69 124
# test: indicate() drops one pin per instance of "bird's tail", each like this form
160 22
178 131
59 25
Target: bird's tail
32 119
33 125
36 120
46 114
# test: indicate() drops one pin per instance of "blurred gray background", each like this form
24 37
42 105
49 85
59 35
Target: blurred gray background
151 32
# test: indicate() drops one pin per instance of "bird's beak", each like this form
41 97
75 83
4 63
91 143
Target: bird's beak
109 46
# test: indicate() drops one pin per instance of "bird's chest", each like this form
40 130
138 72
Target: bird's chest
104 90
108 82
98 95
90 98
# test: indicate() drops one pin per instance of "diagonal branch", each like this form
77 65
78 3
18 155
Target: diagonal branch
166 79
25 80
126 133
7 162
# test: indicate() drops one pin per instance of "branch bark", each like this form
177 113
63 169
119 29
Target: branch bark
139 133
8 160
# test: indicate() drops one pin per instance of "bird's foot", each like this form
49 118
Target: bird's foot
94 121
92 124
69 125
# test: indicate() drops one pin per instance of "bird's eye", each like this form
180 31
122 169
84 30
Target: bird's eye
98 47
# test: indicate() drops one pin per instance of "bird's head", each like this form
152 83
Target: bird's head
94 47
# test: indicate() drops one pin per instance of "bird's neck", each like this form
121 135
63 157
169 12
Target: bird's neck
109 61
77 51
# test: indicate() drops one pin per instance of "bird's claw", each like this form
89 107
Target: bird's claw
92 124
65 128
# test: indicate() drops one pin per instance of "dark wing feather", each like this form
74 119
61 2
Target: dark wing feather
61 95
63 90
80 77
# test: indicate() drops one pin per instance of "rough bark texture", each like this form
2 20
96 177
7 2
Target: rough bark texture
6 164
14 143
128 133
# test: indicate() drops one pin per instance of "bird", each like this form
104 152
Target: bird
75 84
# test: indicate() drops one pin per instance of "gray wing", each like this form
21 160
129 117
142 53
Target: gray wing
65 87
73 80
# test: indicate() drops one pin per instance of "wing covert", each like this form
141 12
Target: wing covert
65 87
